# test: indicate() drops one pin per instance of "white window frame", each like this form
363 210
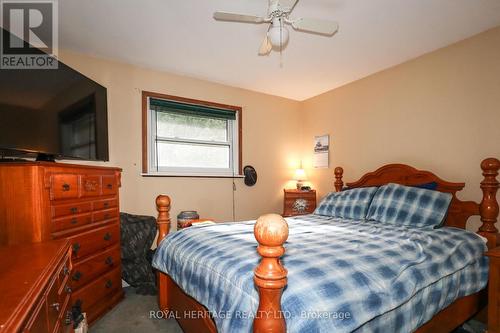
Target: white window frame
232 141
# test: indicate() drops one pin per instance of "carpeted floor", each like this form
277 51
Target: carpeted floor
132 315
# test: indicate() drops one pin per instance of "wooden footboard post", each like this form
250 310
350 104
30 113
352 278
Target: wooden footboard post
339 183
488 209
271 231
163 223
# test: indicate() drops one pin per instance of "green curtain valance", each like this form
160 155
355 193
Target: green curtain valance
190 109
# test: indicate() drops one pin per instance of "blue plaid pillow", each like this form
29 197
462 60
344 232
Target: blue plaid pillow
406 205
349 204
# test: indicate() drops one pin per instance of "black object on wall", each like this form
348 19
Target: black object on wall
250 175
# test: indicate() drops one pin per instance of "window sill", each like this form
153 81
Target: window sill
174 175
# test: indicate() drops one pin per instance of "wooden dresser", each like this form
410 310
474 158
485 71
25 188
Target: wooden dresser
34 284
41 201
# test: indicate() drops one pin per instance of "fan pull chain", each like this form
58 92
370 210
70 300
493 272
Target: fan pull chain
281 43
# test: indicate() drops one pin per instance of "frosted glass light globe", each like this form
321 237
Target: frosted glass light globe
278 36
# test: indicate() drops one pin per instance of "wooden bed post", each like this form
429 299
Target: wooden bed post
339 184
271 231
488 209
163 222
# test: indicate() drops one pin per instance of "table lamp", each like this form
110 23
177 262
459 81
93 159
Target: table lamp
300 176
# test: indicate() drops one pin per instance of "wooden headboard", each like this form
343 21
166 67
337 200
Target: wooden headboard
459 211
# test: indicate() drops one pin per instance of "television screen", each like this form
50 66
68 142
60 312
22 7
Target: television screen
58 113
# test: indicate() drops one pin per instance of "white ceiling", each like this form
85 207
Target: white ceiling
180 36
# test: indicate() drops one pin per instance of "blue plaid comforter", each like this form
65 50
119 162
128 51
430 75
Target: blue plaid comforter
343 275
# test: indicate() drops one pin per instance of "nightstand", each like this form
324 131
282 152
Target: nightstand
494 291
297 202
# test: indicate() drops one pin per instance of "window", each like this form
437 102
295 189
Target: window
190 138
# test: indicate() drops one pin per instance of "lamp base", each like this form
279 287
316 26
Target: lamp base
299 185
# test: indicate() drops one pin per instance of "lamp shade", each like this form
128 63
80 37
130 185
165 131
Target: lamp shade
300 174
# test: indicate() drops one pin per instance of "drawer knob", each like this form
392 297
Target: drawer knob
109 186
65 270
106 204
73 210
74 220
55 306
67 318
106 216
109 284
68 289
76 248
109 261
66 187
77 276
107 236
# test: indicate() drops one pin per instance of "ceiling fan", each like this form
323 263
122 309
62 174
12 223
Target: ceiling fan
278 15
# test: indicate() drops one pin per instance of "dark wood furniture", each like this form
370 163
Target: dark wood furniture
494 291
297 202
271 232
41 201
34 287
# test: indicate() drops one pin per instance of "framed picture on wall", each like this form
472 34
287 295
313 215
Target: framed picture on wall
321 156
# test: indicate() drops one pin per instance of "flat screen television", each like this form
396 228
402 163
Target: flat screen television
52 114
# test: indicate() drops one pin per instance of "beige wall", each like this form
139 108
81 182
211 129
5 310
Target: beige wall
270 142
439 112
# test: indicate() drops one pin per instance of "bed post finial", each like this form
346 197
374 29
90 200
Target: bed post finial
339 184
163 220
271 231
163 223
488 209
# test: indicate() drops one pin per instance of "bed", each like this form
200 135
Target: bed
343 275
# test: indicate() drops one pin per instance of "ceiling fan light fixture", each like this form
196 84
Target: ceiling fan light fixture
278 15
278 35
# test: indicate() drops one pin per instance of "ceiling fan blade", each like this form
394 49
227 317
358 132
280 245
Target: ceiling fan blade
265 47
323 27
224 16
287 5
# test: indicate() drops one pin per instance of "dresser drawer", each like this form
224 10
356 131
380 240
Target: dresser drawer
65 321
89 242
98 290
38 319
54 305
91 186
311 203
301 195
63 186
64 294
109 185
105 215
69 222
105 204
65 270
90 268
71 209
